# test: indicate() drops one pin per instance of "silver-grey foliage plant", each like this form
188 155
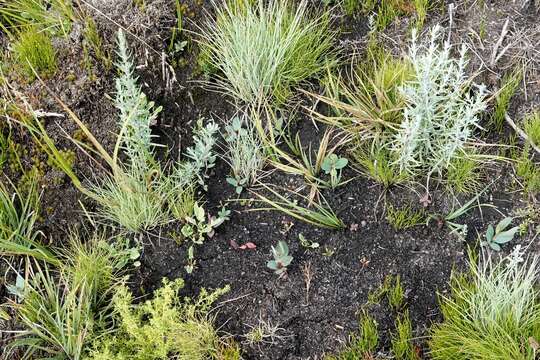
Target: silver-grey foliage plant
442 107
245 153
140 194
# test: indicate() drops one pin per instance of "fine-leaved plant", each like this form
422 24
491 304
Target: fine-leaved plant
496 303
442 107
263 49
245 154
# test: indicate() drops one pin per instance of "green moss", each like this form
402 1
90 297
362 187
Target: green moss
29 177
94 41
68 157
33 50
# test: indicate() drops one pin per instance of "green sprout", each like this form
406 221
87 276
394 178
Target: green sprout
333 165
282 259
495 237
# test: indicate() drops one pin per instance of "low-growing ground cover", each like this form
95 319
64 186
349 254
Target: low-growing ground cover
249 179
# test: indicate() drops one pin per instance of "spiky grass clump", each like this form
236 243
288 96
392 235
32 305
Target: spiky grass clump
370 96
496 304
532 127
528 171
405 217
377 162
509 86
362 346
263 50
19 212
58 316
464 174
368 104
402 347
33 51
62 308
442 108
133 201
52 16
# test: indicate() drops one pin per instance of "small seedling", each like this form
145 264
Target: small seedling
18 289
497 236
282 259
238 184
307 243
460 229
328 251
191 260
333 165
197 227
396 294
234 129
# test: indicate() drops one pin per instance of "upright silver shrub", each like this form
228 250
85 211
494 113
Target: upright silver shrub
442 107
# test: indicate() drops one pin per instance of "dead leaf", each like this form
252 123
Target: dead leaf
364 262
534 344
425 200
248 245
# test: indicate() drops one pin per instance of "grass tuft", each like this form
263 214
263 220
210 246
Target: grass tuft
509 86
19 212
52 16
402 347
464 174
405 217
361 346
377 162
532 127
264 49
528 171
497 303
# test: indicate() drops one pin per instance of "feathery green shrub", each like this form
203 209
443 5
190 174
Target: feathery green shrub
161 328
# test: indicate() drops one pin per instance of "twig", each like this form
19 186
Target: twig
521 132
308 276
504 31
